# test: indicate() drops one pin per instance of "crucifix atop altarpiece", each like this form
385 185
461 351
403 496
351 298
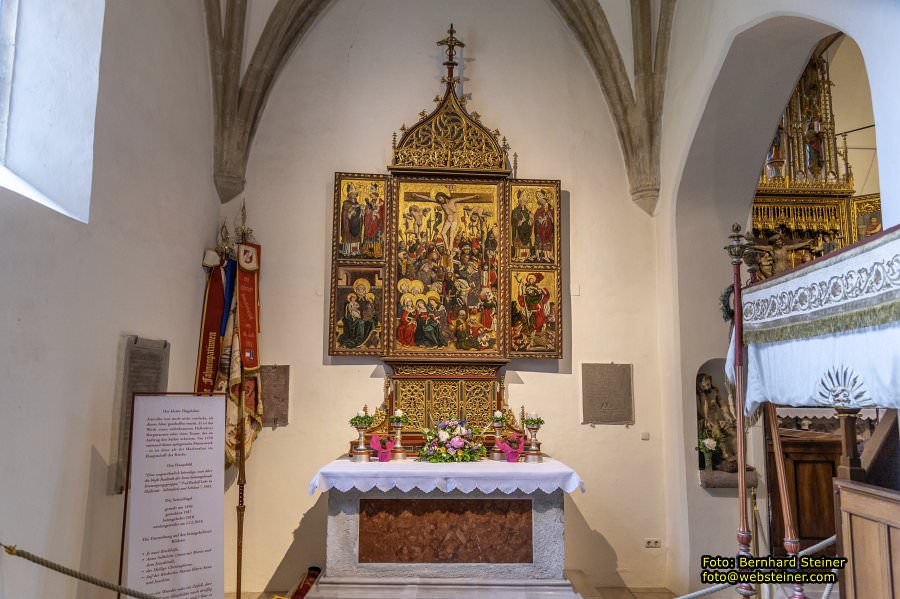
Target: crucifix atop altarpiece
447 266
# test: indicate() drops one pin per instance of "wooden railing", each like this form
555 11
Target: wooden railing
868 518
881 456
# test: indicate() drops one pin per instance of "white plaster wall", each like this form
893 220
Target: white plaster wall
71 290
853 109
54 98
365 68
691 328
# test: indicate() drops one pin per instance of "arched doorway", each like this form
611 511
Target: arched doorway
717 188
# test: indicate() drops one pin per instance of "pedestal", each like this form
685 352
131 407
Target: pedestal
395 543
479 529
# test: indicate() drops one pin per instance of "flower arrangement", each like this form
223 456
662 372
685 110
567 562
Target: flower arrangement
382 447
451 441
512 446
708 444
532 419
362 420
398 417
497 418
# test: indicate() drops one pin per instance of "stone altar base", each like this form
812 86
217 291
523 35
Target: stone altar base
417 544
441 588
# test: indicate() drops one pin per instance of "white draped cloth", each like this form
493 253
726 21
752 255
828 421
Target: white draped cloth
856 369
826 335
485 475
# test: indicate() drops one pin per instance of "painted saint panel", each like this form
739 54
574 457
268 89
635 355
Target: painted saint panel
535 323
360 216
446 271
866 215
534 222
357 311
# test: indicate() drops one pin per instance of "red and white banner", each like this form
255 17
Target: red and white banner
248 303
210 328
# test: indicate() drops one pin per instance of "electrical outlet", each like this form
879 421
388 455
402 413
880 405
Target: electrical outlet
652 543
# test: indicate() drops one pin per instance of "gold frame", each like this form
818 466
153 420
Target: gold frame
862 205
519 266
545 354
333 348
339 178
502 291
557 209
374 263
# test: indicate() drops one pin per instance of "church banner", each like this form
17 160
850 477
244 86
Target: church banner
211 324
248 303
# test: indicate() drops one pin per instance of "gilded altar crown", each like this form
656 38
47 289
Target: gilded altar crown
450 139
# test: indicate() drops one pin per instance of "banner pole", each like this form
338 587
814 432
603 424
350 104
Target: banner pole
242 480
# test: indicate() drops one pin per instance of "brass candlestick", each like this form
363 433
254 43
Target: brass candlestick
533 453
399 452
360 453
496 454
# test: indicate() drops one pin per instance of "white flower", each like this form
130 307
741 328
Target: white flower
709 443
531 415
398 413
460 430
443 436
360 413
498 414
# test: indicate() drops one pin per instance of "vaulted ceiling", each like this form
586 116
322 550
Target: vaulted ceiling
636 110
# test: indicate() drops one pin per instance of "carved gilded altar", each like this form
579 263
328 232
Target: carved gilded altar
804 200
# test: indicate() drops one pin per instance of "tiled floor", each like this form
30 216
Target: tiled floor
583 586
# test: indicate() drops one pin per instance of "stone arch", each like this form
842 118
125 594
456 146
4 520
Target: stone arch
716 188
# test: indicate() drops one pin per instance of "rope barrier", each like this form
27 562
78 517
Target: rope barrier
12 550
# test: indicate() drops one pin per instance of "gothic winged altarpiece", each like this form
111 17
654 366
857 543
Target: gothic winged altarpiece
446 267
805 207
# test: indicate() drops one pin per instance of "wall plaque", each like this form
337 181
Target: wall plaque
606 392
275 385
144 369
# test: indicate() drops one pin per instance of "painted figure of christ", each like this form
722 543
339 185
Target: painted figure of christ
450 206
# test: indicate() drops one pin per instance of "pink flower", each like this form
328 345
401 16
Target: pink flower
457 442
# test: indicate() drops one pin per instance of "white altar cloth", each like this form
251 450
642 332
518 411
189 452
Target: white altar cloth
485 475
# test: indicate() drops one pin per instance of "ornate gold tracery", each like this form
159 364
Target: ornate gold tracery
450 139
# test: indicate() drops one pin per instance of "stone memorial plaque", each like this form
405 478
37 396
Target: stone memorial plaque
275 383
606 391
144 369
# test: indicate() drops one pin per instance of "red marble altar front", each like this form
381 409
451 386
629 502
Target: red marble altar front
445 531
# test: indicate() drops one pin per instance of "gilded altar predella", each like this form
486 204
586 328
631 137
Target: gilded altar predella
446 257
